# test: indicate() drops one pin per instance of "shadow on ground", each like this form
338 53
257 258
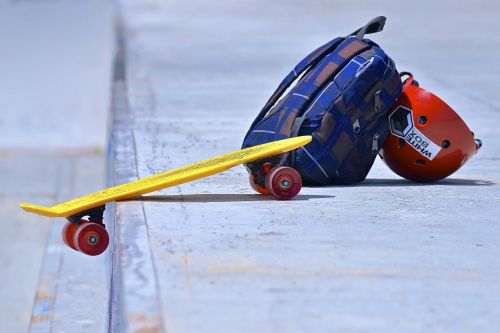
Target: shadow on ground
219 197
209 197
404 182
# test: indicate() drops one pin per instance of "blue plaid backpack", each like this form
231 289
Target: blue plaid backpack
343 92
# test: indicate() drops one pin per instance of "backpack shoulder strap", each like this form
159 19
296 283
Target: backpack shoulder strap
304 64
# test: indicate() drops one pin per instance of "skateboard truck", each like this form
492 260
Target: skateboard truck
95 215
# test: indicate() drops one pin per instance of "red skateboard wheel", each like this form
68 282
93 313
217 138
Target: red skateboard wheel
91 238
257 187
283 182
68 232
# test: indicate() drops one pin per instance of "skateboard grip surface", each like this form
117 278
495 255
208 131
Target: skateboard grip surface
168 178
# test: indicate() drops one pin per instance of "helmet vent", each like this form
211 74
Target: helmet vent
422 120
420 162
445 144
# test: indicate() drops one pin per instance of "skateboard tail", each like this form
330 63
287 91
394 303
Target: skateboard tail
40 210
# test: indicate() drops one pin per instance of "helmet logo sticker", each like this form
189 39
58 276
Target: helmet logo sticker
401 125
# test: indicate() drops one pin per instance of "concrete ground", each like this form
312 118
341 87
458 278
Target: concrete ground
55 67
213 256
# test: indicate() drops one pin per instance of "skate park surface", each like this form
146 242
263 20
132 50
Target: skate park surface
212 255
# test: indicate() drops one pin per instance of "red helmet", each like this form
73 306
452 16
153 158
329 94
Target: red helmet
428 140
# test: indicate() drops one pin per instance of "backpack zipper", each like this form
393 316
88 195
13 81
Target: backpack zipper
356 127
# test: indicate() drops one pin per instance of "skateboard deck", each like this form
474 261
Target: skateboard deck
167 179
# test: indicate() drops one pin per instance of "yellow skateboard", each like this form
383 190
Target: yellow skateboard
85 230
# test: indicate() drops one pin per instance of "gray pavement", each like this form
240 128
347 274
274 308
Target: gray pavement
211 255
55 67
55 78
